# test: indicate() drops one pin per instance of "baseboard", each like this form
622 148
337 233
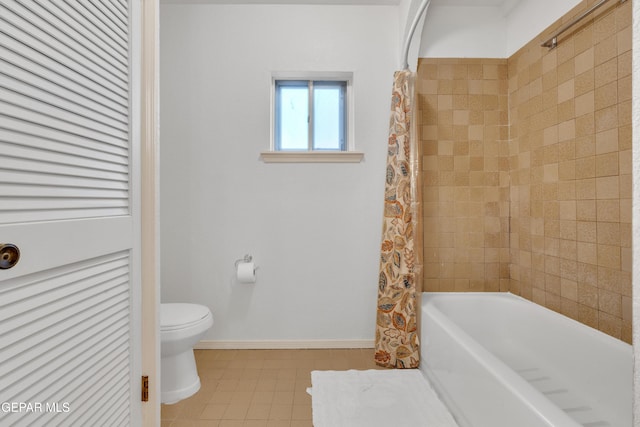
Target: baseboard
282 344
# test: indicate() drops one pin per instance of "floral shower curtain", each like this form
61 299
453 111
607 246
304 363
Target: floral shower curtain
397 343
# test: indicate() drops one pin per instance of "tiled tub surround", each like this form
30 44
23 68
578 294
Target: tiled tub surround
464 133
527 171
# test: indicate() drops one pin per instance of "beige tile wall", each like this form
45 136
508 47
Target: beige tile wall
548 146
464 134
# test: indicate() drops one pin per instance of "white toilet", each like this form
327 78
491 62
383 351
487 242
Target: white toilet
181 327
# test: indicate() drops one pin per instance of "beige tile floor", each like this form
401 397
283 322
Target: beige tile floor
258 388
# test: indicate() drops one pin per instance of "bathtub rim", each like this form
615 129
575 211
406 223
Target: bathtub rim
561 317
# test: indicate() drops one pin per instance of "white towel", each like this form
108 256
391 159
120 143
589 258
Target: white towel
376 398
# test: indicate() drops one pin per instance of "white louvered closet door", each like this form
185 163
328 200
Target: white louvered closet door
69 350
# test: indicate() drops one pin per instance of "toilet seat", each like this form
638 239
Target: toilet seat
175 316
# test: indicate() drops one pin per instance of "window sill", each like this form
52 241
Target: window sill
312 156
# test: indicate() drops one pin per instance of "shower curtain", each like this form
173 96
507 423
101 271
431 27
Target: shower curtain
397 344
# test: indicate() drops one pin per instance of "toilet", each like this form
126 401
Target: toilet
181 327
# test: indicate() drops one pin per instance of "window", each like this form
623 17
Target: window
311 118
310 115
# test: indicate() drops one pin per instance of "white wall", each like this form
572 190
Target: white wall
530 17
487 32
463 32
313 229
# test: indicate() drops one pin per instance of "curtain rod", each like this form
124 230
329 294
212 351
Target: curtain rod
553 40
421 10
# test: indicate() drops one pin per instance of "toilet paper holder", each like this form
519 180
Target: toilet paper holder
247 258
246 270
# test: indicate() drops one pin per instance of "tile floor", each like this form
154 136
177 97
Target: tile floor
258 388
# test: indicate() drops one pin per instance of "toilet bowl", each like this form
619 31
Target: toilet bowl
181 327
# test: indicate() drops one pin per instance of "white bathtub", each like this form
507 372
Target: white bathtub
497 359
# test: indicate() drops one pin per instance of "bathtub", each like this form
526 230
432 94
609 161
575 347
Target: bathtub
496 359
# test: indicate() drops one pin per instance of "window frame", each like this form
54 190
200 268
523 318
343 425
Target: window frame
310 86
347 154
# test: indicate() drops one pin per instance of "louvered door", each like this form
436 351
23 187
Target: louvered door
68 353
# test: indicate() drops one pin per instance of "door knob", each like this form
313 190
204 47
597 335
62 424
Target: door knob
9 255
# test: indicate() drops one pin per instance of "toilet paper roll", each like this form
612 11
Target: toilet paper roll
246 272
